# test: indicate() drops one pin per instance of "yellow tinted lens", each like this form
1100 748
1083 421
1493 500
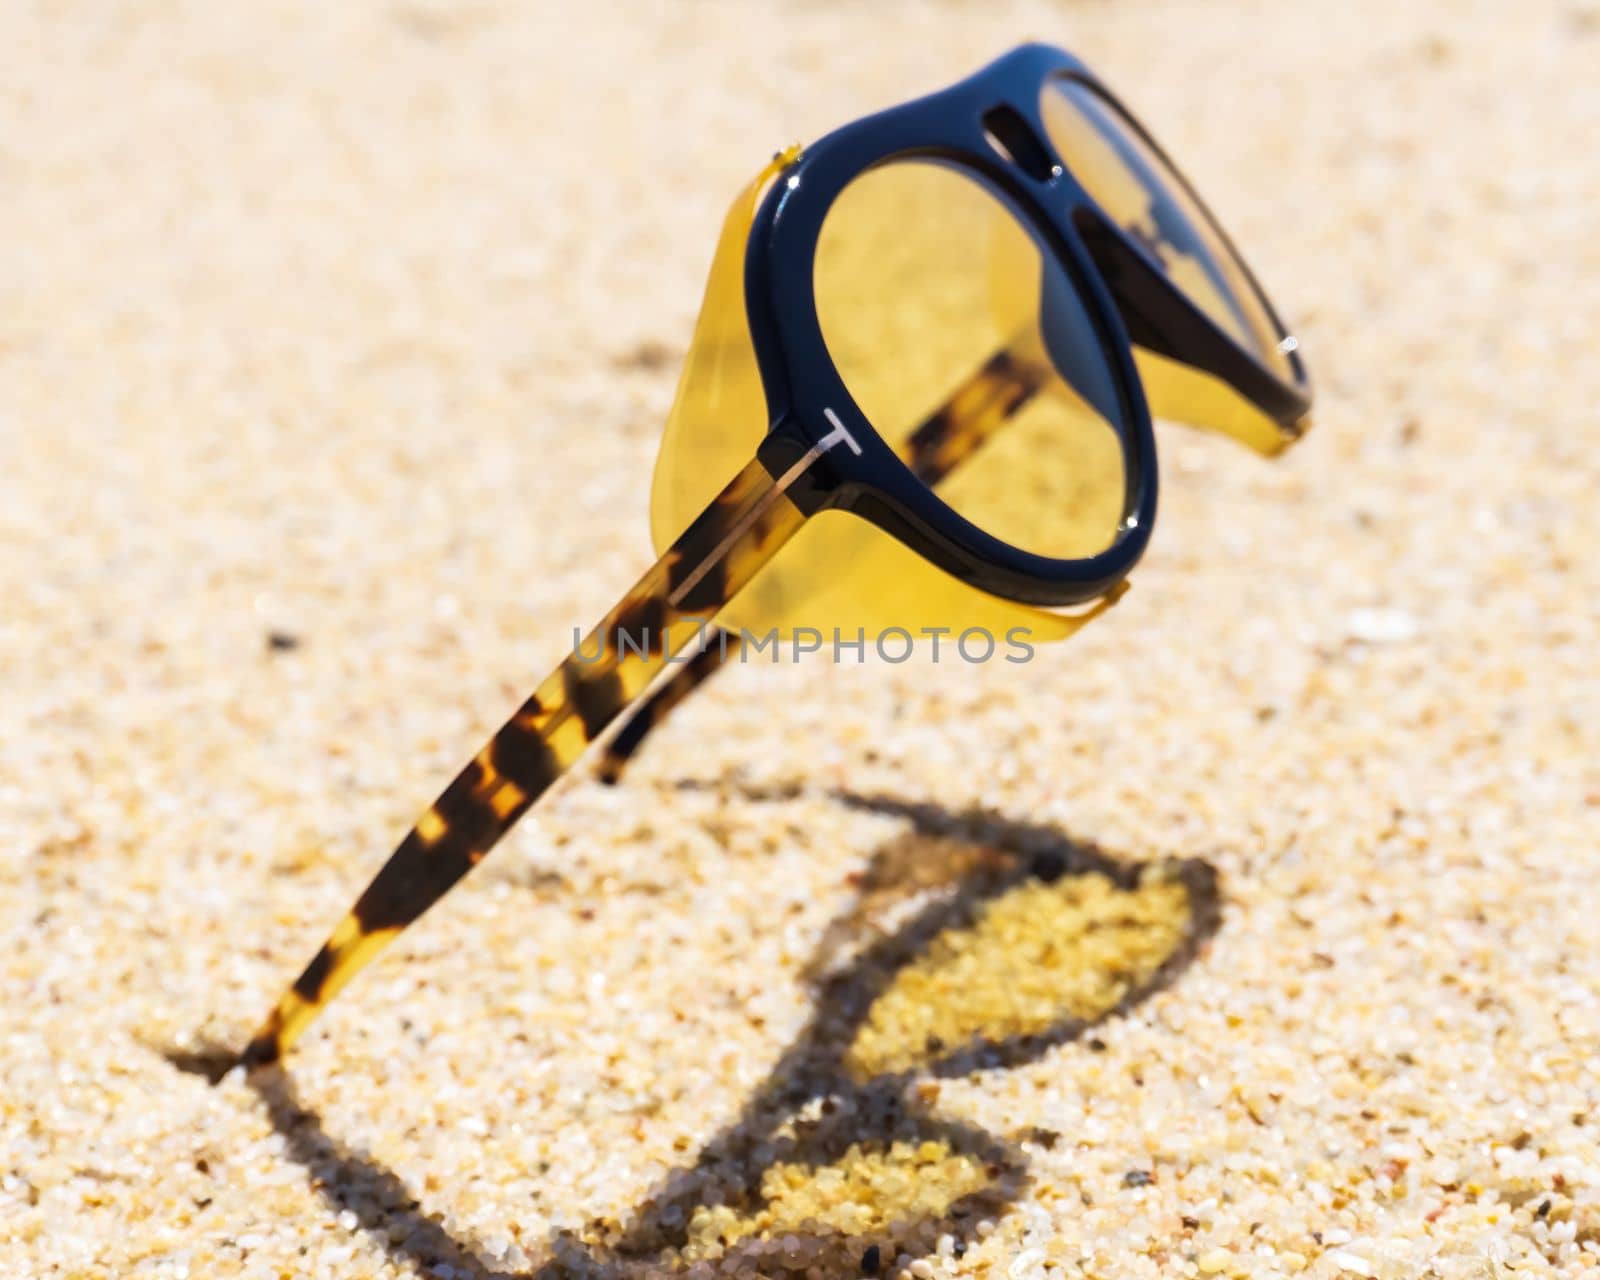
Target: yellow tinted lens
838 573
1139 191
971 354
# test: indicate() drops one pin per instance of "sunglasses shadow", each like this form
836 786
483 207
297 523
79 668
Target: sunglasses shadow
974 943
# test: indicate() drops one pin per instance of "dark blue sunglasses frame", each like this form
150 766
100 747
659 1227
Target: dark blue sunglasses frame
1126 294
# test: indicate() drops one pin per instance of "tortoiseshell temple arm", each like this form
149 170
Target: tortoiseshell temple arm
994 394
717 555
719 648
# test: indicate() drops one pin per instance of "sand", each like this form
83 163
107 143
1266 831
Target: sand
1251 933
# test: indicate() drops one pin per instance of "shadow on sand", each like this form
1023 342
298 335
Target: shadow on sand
838 1161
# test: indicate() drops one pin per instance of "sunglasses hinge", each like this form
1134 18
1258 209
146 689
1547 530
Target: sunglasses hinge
817 485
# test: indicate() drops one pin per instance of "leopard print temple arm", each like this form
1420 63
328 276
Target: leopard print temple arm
741 530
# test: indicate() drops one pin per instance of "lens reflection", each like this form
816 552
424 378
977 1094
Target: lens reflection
1140 192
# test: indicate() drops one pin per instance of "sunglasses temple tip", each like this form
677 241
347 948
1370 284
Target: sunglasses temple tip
264 1049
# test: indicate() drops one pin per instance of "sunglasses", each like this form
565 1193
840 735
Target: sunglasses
928 357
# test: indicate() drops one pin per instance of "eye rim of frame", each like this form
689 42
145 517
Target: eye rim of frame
802 382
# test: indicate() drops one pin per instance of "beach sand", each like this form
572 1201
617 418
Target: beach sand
1251 933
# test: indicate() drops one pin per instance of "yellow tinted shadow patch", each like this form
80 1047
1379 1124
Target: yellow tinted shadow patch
867 1193
1035 958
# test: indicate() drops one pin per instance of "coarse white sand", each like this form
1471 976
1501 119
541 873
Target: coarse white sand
1276 952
